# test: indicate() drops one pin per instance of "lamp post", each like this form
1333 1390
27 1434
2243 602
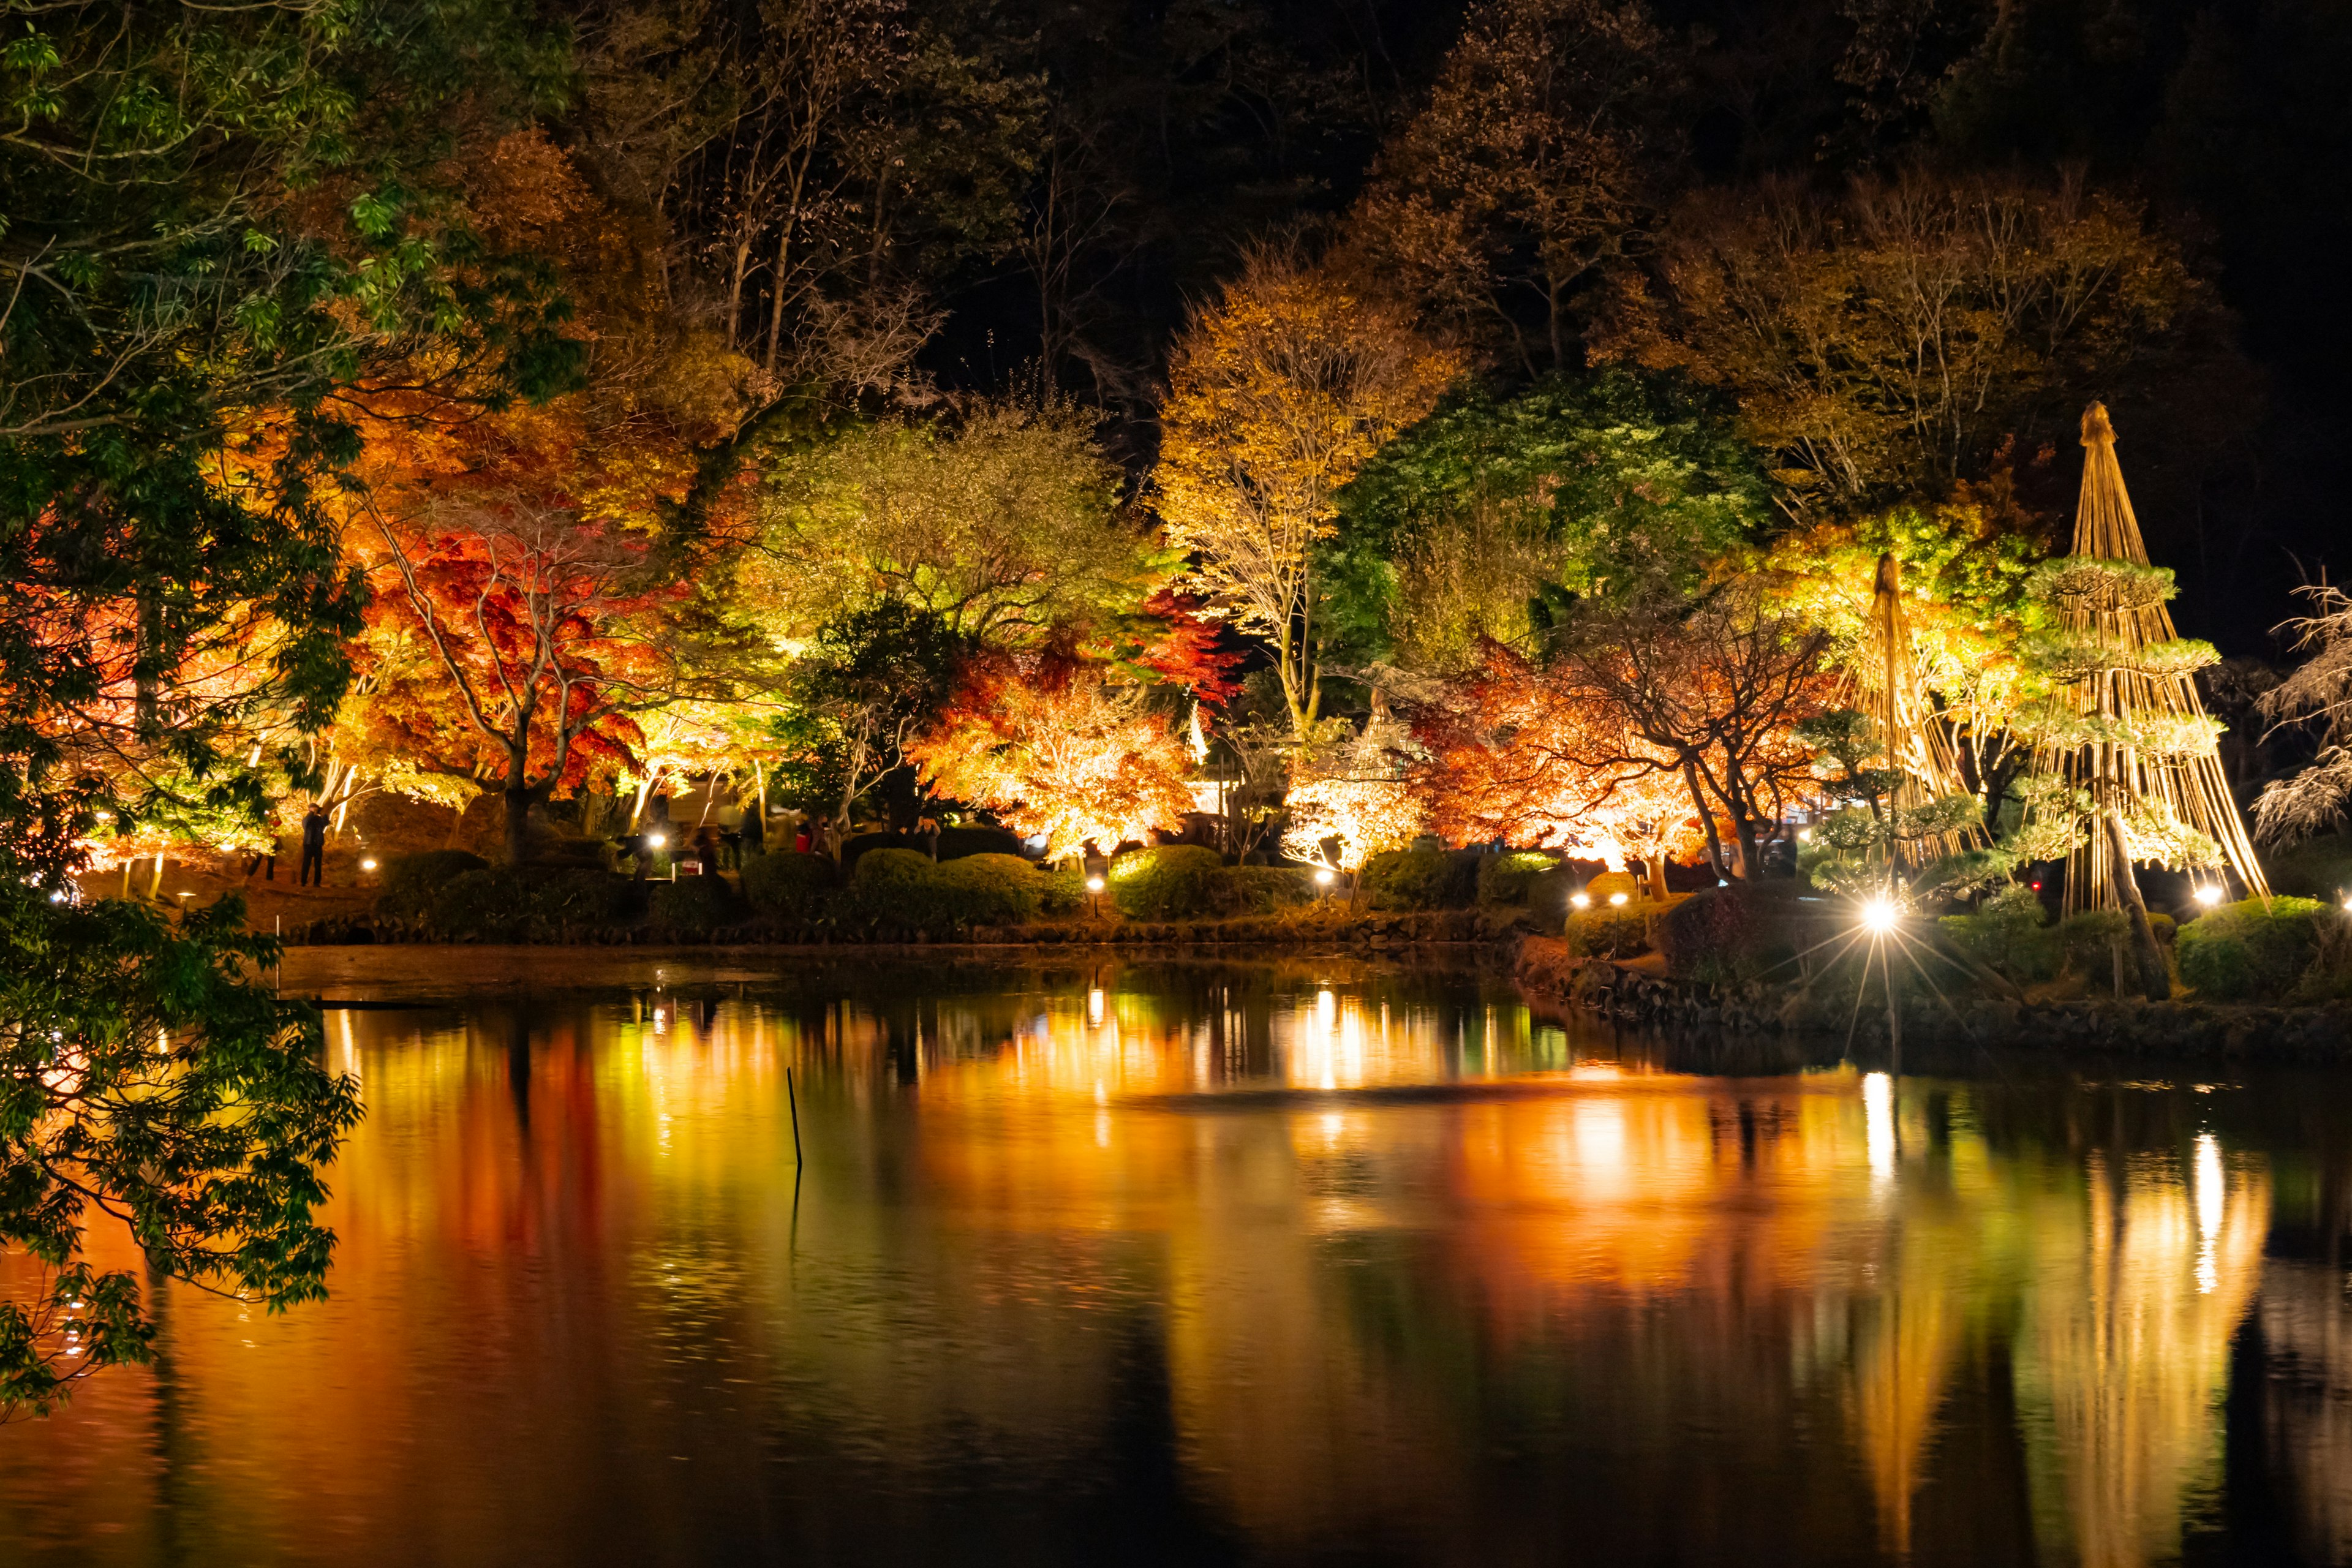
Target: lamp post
1094 897
1323 883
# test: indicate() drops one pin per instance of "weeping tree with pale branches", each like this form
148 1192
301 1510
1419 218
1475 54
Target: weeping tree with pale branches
2317 697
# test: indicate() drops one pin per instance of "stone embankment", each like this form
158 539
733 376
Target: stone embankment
1640 997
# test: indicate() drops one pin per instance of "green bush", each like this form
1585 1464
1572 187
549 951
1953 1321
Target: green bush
2005 934
1260 889
2243 951
1508 879
1610 931
2087 941
1066 890
787 882
957 843
1166 882
1745 931
1422 878
990 890
490 904
575 900
693 903
411 880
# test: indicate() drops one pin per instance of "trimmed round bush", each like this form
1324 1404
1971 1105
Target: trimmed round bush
1064 891
1260 889
693 903
1508 878
1165 882
2005 934
411 880
962 843
787 881
1421 879
490 904
1610 931
990 890
1745 931
2245 951
577 899
1608 884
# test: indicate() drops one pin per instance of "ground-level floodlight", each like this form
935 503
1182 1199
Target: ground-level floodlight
655 841
1880 916
1616 898
2209 895
1580 901
368 864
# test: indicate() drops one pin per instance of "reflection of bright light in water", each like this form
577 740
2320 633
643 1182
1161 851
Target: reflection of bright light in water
1327 1009
1095 1008
1878 1115
2209 1210
1599 1130
661 1021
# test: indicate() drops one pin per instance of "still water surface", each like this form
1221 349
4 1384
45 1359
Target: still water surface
1192 1264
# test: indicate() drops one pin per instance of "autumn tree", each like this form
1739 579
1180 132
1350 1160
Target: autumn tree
1354 796
543 626
1536 162
1057 748
1896 335
1277 394
1714 687
1007 524
1526 753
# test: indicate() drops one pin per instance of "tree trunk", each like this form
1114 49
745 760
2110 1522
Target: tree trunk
517 824
2156 980
1706 821
1655 865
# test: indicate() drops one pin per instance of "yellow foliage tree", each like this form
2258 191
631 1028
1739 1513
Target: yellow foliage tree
1277 394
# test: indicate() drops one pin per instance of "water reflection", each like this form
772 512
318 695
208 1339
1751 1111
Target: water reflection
1237 1264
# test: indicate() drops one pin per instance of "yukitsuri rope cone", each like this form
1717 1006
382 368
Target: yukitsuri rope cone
1916 748
2117 775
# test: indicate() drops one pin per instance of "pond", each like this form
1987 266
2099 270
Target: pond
1136 1262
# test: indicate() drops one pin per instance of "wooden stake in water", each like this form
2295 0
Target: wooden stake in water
793 1102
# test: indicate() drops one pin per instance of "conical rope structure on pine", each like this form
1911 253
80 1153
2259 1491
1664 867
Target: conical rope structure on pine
2126 696
1918 748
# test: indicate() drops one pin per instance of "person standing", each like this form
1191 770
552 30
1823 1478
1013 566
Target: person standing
927 834
314 847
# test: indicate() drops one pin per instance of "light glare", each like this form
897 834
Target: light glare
1880 916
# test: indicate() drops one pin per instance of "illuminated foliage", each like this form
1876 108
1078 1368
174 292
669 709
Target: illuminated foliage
1057 750
1277 394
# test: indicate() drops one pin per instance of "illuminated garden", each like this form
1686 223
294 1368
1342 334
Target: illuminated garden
1237 781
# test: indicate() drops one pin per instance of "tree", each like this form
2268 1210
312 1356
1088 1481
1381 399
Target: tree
869 682
1526 754
1277 394
2316 695
1059 750
1534 163
1715 687
1461 526
538 623
1006 525
219 222
1354 796
1897 336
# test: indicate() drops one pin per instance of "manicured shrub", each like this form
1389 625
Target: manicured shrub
1506 879
578 898
2244 952
1608 884
411 880
895 884
1165 882
2005 934
990 890
1260 889
1745 931
787 882
1421 879
693 904
1610 931
957 843
1066 890
489 904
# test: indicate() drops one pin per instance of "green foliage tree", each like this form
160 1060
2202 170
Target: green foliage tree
869 683
215 223
1480 521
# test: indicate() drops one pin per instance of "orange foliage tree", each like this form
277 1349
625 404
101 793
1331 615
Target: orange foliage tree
1277 396
1526 756
543 626
1057 748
